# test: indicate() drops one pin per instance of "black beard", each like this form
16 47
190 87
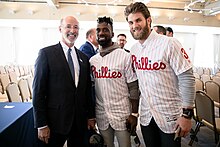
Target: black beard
105 43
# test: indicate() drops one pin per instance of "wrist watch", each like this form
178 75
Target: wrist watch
135 114
187 113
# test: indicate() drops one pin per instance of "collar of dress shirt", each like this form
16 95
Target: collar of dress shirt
65 47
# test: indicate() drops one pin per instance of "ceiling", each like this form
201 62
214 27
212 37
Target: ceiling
197 12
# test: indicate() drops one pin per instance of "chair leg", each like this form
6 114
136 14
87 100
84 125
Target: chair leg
193 136
192 132
219 112
218 144
216 137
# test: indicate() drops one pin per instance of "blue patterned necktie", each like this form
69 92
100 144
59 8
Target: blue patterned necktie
70 62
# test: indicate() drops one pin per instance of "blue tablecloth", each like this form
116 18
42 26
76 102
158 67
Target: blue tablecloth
17 125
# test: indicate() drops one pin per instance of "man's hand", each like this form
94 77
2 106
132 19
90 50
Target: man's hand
185 125
44 134
131 124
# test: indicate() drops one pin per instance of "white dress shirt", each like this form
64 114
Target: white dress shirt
75 60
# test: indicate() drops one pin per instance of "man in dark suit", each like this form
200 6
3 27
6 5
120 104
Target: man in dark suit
62 91
91 45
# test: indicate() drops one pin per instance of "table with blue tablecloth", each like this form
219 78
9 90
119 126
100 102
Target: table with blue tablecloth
17 125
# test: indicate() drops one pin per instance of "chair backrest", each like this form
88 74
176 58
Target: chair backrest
216 79
199 84
217 74
13 92
23 87
207 71
17 71
1 87
205 109
2 70
13 76
194 69
213 90
205 78
200 71
9 68
21 69
4 81
3 97
26 72
196 75
30 83
32 71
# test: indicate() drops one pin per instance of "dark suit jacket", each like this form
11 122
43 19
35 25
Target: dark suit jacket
88 49
56 100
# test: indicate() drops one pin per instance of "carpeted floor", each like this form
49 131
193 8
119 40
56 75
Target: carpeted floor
205 138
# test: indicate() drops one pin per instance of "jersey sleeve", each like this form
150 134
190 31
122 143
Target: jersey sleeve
178 58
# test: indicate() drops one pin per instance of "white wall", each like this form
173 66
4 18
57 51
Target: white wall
21 39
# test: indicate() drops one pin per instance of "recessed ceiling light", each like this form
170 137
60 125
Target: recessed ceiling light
12 11
186 19
171 17
155 17
78 13
30 12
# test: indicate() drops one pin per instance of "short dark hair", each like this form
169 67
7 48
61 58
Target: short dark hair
161 29
169 29
121 35
137 7
105 19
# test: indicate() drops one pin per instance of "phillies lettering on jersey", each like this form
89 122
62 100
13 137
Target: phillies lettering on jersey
145 64
111 74
104 72
158 62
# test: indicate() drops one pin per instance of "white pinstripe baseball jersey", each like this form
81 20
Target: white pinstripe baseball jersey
111 74
157 62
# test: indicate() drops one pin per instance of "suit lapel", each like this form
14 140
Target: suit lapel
80 61
60 56
81 69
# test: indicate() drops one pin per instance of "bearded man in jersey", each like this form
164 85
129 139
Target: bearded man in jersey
166 81
116 88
